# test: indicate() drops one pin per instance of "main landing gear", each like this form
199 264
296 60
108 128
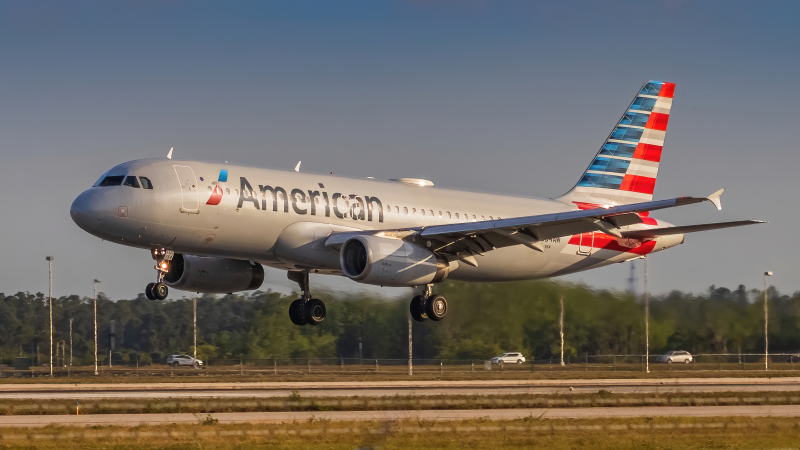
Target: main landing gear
159 290
428 306
305 310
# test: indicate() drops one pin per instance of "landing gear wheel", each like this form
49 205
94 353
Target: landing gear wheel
315 311
418 309
296 312
436 307
160 291
148 291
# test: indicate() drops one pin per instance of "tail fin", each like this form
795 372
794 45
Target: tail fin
625 168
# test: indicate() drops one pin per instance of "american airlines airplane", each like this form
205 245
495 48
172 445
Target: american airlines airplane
211 226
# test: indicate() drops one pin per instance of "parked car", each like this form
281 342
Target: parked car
183 360
509 358
676 356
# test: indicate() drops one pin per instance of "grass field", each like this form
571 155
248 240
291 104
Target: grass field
377 372
647 433
296 402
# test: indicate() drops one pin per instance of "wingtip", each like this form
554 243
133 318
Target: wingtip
715 198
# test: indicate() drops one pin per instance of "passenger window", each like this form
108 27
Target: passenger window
483 218
430 211
405 209
146 184
456 215
228 191
114 180
209 189
448 214
490 218
414 211
422 212
131 181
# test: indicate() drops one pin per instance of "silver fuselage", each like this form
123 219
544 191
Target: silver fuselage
176 214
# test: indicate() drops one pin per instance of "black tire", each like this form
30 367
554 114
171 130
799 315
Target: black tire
315 311
195 366
519 361
297 312
148 291
686 361
418 309
436 308
160 291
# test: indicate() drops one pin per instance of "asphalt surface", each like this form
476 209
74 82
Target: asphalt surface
392 388
492 414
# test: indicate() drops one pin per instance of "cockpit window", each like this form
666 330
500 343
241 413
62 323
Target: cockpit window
146 183
131 181
111 180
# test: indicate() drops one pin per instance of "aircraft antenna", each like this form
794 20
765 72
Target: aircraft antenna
169 155
297 167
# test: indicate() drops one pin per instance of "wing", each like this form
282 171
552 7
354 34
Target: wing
654 232
465 240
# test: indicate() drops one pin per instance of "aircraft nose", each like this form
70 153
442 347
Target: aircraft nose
85 211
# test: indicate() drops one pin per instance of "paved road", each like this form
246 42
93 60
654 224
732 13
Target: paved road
391 388
495 414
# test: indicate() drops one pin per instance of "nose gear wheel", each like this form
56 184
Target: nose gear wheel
159 290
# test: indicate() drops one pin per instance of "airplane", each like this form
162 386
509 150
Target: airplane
211 227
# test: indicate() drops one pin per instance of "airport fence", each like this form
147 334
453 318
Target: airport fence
701 363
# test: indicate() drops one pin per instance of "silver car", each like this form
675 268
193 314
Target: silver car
676 356
509 358
183 360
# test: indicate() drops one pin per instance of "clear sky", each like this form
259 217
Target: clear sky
510 97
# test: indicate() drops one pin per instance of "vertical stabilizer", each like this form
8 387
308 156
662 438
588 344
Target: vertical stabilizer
626 167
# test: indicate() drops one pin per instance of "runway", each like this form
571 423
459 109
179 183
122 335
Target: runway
381 416
393 388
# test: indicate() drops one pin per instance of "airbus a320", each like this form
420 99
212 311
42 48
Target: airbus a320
211 227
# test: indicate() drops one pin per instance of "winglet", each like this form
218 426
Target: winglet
715 199
169 155
297 167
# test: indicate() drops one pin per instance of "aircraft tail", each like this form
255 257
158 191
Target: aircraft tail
625 169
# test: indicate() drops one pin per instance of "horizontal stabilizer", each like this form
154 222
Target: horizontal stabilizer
654 232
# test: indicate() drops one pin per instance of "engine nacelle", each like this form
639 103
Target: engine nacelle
213 275
391 262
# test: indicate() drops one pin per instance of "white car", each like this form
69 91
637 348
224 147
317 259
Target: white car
509 358
183 360
676 356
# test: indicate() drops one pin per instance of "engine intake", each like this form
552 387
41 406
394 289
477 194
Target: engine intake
213 275
391 262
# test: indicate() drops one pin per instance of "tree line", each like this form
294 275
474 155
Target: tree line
484 320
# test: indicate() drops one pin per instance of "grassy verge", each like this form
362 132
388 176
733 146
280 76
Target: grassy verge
648 433
161 374
296 402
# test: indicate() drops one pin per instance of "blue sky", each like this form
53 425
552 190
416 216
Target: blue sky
509 97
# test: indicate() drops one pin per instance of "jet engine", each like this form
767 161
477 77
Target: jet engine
213 275
391 262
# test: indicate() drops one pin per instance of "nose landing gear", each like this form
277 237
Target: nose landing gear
305 310
159 290
428 306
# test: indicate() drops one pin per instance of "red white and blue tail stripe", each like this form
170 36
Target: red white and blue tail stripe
626 167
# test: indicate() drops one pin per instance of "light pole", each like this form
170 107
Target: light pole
766 323
50 301
646 320
96 281
70 341
410 363
561 324
194 304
